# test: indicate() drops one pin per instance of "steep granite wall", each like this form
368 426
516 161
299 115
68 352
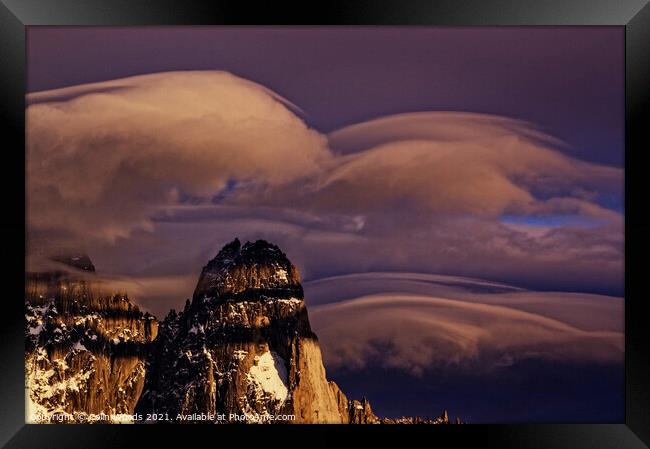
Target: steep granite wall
243 345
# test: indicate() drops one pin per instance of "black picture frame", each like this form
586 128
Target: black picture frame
633 15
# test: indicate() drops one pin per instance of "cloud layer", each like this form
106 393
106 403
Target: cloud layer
102 158
153 174
460 163
421 237
420 322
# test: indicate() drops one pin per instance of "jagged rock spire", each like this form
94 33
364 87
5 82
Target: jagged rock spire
243 346
255 270
78 261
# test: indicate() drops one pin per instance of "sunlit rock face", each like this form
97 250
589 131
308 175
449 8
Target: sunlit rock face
256 271
243 345
84 347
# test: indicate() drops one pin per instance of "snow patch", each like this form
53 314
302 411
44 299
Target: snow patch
270 376
281 274
240 354
290 301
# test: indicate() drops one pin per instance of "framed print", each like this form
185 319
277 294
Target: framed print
359 220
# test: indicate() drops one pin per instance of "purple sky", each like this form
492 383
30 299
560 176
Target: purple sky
567 80
453 197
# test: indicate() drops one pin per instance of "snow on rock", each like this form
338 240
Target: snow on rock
263 356
269 375
282 275
84 348
240 354
289 302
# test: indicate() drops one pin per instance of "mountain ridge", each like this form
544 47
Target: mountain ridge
243 346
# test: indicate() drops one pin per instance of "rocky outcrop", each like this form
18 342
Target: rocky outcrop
84 349
243 346
342 402
78 261
360 412
442 419
242 350
253 272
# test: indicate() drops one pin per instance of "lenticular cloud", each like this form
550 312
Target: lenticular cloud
132 166
103 157
415 322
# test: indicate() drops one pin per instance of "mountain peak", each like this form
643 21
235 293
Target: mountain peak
256 269
251 252
79 261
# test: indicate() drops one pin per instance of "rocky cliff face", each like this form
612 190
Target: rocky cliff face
242 346
84 348
242 350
